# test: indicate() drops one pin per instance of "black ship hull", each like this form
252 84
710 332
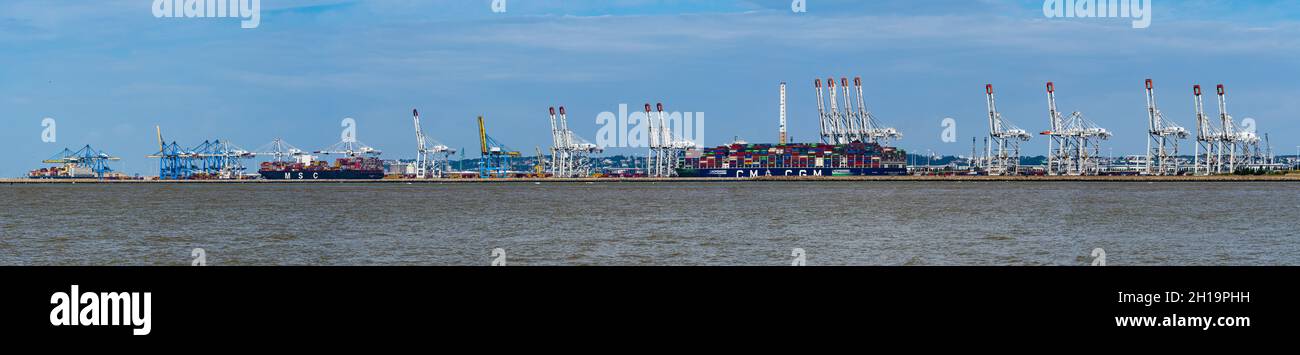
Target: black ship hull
811 172
323 175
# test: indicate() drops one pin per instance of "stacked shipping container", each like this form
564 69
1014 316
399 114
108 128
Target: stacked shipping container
798 155
342 164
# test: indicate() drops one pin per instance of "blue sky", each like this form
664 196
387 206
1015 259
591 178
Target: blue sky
108 71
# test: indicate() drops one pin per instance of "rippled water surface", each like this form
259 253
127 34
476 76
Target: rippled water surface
725 223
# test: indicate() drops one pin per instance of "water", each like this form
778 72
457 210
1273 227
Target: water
731 223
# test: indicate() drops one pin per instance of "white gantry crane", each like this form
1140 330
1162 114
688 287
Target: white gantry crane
557 163
570 154
1075 141
1239 147
849 125
350 148
1163 138
665 153
829 120
1228 135
1209 140
657 157
279 151
1003 148
1242 146
432 159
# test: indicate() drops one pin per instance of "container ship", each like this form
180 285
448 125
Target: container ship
67 172
307 168
795 159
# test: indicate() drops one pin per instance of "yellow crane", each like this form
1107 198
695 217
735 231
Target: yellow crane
495 158
539 169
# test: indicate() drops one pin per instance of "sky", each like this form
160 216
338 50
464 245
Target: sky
108 71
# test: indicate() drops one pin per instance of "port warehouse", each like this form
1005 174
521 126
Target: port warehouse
852 138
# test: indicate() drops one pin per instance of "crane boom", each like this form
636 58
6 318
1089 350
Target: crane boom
821 110
419 133
421 152
160 137
864 117
849 117
1228 136
482 136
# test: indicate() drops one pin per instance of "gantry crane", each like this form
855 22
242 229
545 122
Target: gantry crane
278 150
1229 133
494 161
570 154
1074 141
210 159
1242 146
1057 151
1003 147
86 157
1163 138
1209 140
580 150
173 161
665 152
427 156
350 148
539 169
1236 143
557 164
851 124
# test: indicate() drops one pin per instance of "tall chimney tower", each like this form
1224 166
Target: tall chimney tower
782 139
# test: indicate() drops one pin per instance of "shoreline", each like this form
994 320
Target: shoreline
1213 178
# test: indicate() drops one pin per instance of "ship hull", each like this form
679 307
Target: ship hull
60 177
794 172
323 175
